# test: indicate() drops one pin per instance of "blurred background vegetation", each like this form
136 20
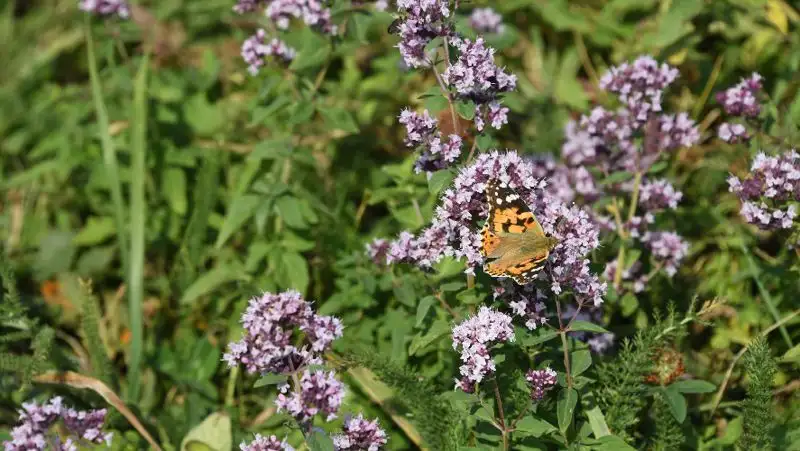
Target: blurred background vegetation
231 184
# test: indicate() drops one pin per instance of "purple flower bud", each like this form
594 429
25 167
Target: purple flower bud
313 13
35 420
262 443
732 133
740 100
496 115
668 248
87 425
475 335
318 393
423 21
540 381
378 250
474 75
270 343
422 131
360 435
256 49
640 85
486 20
420 128
772 183
246 6
658 194
526 302
106 7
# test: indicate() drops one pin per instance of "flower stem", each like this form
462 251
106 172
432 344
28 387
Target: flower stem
231 386
562 331
499 400
623 233
637 182
449 98
472 149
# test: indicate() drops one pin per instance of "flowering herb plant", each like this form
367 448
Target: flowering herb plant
407 224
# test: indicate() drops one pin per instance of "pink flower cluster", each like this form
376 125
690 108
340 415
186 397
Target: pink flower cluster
262 443
35 420
256 50
313 13
422 132
540 382
474 336
741 101
106 7
423 20
318 393
768 191
486 20
273 323
360 434
640 85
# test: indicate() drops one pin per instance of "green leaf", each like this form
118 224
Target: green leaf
270 379
581 361
174 190
339 119
289 210
693 386
579 325
440 179
206 119
465 110
438 330
96 230
319 441
597 421
565 408
676 403
273 149
313 54
210 281
296 269
241 209
404 292
452 286
214 433
484 413
567 87
617 177
792 355
629 304
55 254
300 112
534 427
610 443
544 335
423 307
485 142
657 167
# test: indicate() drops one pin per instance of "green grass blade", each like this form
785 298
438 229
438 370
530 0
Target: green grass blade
109 153
137 214
765 294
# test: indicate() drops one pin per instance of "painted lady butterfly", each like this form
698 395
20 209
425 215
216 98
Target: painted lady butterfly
513 241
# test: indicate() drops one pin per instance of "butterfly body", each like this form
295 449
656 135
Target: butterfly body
513 241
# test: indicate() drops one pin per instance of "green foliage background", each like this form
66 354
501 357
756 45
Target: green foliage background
230 185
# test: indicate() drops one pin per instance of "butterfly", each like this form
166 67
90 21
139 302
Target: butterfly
512 240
